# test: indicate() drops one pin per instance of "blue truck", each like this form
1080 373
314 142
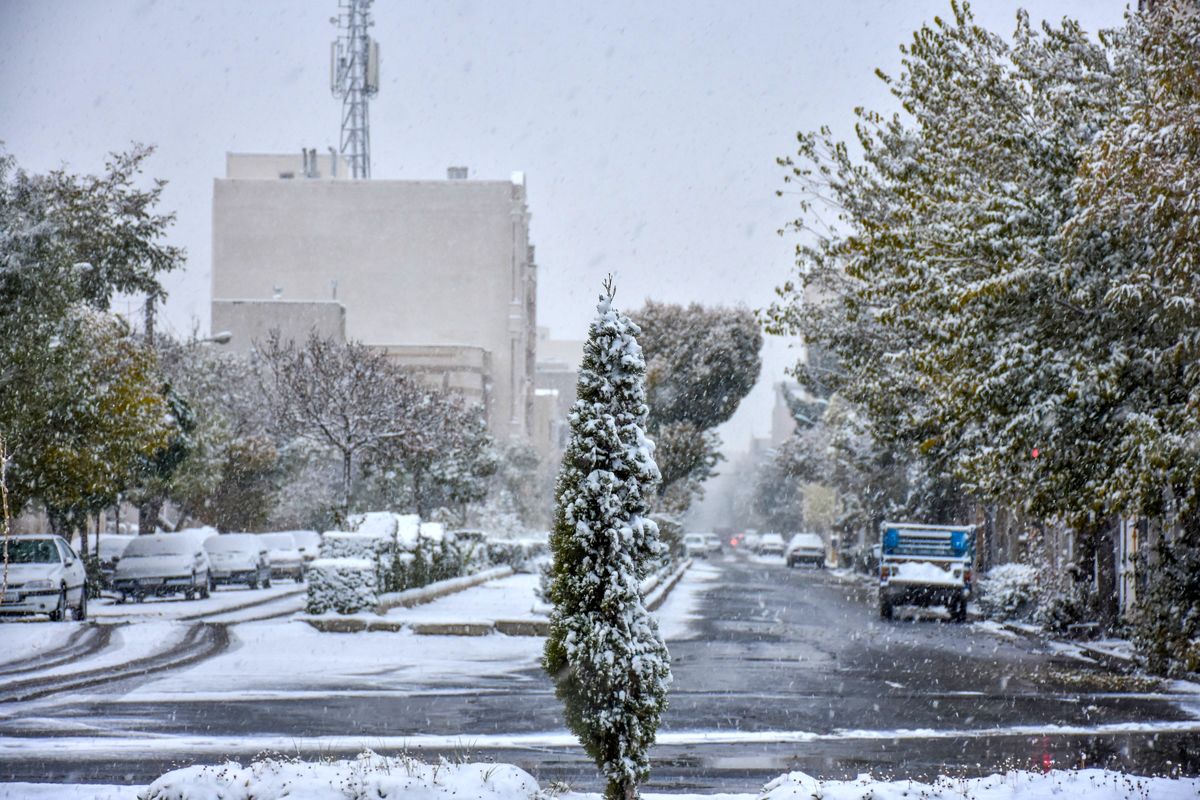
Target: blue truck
926 565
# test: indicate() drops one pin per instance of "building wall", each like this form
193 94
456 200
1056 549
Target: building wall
416 264
251 321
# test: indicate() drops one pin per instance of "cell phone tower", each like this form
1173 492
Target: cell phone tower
354 77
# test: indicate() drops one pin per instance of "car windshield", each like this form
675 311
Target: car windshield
279 541
32 551
155 546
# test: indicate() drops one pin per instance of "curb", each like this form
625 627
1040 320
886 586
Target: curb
656 601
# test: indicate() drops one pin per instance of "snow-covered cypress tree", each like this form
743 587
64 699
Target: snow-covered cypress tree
609 664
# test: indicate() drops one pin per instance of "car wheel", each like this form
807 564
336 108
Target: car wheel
121 598
267 581
81 611
59 614
252 583
885 610
206 588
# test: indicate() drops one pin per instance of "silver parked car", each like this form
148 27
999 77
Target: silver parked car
309 543
238 558
162 564
45 576
284 556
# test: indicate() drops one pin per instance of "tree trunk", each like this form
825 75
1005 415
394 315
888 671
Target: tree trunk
347 466
148 512
1106 573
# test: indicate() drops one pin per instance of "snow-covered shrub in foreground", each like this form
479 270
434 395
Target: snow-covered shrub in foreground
344 585
1093 784
1008 591
353 544
368 777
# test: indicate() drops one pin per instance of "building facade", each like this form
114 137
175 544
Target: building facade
440 275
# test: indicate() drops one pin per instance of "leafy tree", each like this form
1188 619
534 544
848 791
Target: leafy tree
604 653
69 243
700 363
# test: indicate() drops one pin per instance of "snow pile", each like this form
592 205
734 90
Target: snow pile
434 531
1093 784
376 523
368 777
408 529
344 585
1008 591
355 544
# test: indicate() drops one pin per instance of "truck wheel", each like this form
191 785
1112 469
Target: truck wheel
885 610
958 611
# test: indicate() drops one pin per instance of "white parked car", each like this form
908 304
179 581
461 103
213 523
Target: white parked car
283 555
771 544
238 558
695 545
45 576
309 543
108 552
162 564
806 548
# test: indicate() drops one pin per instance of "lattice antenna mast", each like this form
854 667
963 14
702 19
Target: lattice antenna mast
354 77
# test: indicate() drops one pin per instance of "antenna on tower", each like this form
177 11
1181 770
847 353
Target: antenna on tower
354 77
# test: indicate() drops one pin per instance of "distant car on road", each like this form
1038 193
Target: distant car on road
308 543
238 558
771 544
162 564
713 541
45 576
751 541
283 555
806 548
695 545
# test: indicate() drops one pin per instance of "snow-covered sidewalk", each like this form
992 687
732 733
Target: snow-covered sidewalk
507 598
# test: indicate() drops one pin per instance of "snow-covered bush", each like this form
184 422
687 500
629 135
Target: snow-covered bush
515 553
351 544
1009 591
367 777
344 585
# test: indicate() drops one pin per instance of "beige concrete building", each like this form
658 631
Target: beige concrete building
556 376
439 274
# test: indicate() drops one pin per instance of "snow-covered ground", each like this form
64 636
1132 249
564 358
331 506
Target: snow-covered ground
373 776
507 598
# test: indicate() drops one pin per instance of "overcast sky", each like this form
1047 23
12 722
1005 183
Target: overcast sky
647 131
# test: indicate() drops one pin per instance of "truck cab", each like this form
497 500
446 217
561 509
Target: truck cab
926 565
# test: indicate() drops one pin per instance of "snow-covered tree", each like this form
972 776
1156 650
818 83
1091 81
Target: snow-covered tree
609 664
700 362
347 397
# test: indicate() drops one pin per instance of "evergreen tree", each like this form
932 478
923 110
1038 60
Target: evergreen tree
609 664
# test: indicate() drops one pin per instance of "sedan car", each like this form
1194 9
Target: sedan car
714 544
806 548
45 576
695 545
283 555
238 558
771 544
109 552
309 543
162 564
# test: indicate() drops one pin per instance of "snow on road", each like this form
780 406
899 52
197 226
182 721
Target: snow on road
176 607
278 656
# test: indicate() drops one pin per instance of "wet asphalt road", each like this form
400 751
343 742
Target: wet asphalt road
776 650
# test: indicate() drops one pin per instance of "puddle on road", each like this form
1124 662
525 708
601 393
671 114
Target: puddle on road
1143 754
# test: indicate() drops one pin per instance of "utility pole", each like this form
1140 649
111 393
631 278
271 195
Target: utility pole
354 77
